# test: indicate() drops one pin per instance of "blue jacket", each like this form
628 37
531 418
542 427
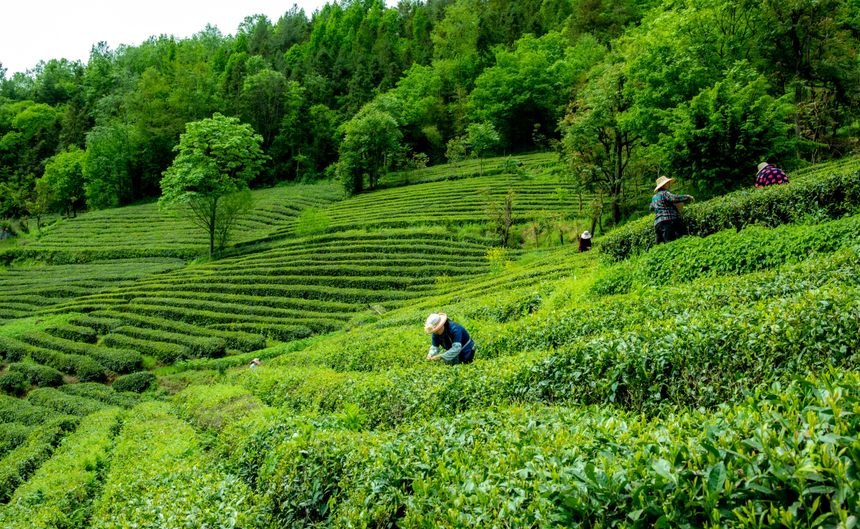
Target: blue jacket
455 333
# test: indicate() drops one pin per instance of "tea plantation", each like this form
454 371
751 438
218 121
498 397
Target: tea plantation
710 382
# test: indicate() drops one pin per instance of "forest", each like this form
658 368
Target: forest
621 90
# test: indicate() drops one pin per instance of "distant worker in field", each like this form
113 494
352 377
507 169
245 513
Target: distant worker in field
769 175
667 218
450 342
585 241
254 363
4 234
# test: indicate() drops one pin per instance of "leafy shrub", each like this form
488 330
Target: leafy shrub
12 435
159 472
209 347
63 403
166 353
119 360
100 325
538 466
13 383
84 367
222 364
135 382
75 333
38 375
727 252
60 493
235 340
209 407
21 462
102 393
17 410
828 193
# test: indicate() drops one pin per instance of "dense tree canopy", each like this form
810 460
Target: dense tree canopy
599 79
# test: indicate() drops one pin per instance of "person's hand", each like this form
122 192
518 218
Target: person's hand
692 200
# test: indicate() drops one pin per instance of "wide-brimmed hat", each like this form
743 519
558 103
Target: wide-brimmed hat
586 235
663 180
762 166
435 322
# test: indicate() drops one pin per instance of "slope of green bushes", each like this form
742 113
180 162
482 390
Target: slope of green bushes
825 193
61 492
159 477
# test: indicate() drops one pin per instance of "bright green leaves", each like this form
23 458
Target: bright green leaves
716 140
217 158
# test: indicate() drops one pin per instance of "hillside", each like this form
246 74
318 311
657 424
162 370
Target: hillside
708 382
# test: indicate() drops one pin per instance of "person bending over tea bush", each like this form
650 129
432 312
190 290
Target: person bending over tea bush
769 175
667 218
456 345
585 241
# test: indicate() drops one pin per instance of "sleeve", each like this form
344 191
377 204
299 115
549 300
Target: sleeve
433 351
452 353
677 199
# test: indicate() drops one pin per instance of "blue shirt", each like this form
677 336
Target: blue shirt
453 333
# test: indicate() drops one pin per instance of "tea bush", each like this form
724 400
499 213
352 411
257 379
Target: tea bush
158 472
74 333
102 393
209 407
227 362
100 325
64 403
119 360
13 435
538 466
827 193
38 375
209 347
234 340
17 466
729 252
14 410
84 367
61 492
166 353
14 384
135 382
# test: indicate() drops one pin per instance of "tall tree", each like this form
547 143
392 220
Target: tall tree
65 174
217 158
599 142
371 139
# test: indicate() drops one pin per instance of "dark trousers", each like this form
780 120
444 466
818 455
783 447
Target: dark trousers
667 231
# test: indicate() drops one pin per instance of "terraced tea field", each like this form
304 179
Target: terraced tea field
28 290
710 382
452 202
145 231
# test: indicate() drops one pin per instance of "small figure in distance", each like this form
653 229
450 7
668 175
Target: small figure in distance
585 241
769 175
456 345
5 234
667 218
254 363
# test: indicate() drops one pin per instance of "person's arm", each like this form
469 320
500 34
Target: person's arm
677 199
452 353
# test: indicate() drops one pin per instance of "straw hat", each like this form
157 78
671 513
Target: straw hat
762 166
435 322
586 235
662 181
